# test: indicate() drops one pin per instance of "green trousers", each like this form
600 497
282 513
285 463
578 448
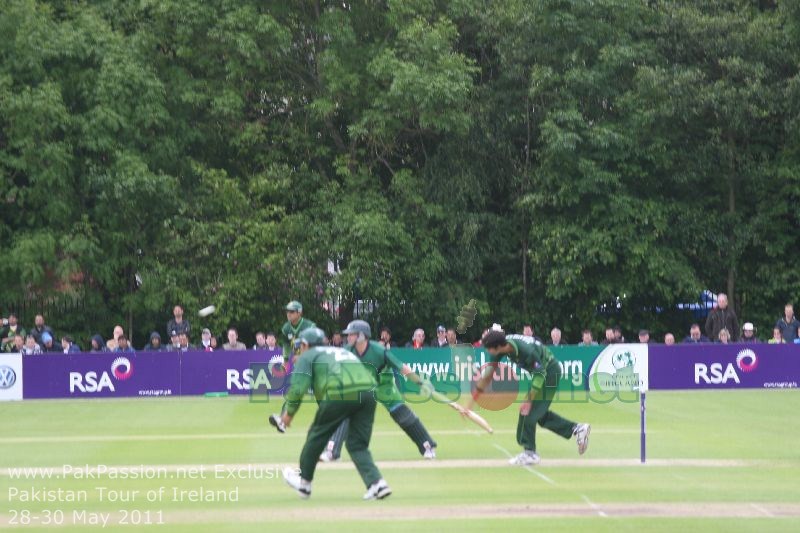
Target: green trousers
541 414
330 414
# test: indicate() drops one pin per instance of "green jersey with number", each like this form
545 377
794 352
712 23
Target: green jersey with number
289 334
529 354
333 374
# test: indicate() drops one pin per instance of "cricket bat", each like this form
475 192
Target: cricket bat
472 415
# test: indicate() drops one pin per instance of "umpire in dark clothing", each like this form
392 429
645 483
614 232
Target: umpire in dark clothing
722 318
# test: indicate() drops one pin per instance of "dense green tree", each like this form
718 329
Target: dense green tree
562 162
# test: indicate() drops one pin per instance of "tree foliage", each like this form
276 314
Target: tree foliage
562 162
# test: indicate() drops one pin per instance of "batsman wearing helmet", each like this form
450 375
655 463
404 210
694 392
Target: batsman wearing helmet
344 389
384 364
529 354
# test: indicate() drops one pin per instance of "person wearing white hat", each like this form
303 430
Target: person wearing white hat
748 333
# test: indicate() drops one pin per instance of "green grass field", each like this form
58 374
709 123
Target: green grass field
718 461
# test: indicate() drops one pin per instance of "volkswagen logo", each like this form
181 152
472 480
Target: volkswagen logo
7 377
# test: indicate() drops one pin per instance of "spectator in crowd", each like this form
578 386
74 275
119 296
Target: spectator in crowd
748 333
386 338
587 339
722 317
39 328
214 342
452 338
695 337
644 336
207 340
19 343
97 344
48 343
788 324
610 339
724 336
336 339
669 339
154 344
527 330
797 340
618 338
478 343
441 337
261 341
31 346
417 339
777 336
123 346
555 337
68 345
272 341
8 331
111 343
233 341
174 341
183 338
178 323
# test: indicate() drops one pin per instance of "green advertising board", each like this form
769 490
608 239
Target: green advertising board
454 370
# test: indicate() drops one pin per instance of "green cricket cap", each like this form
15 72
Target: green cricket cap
294 305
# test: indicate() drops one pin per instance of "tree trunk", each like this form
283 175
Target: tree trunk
525 277
732 211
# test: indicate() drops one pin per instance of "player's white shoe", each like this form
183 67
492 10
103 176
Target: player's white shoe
378 490
525 458
430 453
277 423
581 433
326 457
299 484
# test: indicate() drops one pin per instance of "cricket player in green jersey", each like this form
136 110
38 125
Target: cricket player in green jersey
344 388
384 364
529 354
295 324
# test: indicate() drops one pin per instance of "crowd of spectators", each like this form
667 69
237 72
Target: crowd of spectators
41 338
721 326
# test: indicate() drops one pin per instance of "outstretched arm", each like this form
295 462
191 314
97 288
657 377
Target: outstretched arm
482 383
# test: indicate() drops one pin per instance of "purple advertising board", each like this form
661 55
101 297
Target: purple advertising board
234 372
101 375
724 366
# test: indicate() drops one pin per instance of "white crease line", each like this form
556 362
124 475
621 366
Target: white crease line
762 510
188 436
226 436
594 506
528 468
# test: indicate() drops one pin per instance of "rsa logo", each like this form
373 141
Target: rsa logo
121 369
719 374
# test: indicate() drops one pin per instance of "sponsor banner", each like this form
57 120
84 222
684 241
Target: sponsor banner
620 368
83 375
461 365
10 376
725 366
234 372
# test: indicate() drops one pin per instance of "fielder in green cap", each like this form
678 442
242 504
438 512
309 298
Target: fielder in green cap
295 324
345 390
